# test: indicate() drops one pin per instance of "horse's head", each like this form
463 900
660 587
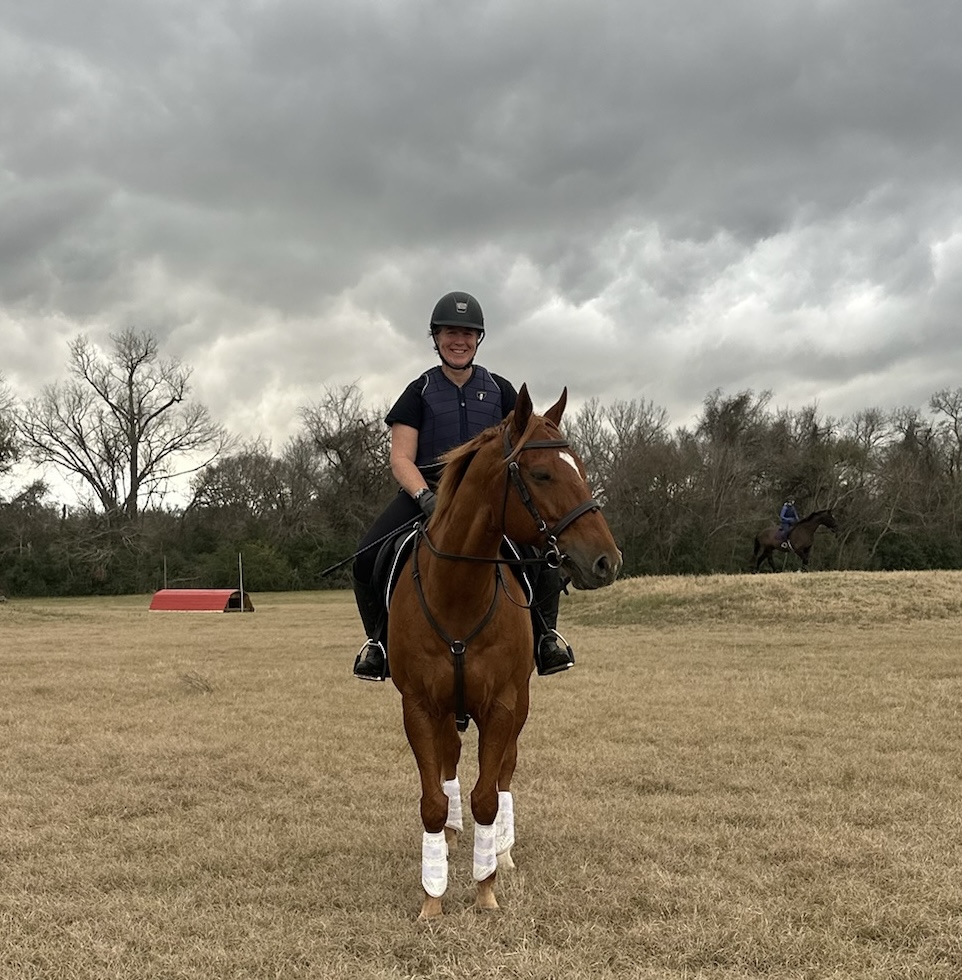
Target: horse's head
547 502
826 518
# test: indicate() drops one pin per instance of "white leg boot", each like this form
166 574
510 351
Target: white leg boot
504 831
434 864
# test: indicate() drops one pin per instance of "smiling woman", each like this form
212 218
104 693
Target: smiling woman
443 408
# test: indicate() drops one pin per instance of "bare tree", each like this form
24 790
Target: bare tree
9 449
353 441
626 449
948 404
354 447
122 422
248 482
733 437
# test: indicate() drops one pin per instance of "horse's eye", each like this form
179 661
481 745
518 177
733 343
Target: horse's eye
540 476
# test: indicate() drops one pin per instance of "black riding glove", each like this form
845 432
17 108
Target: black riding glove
427 502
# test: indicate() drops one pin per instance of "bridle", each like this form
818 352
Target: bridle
553 556
552 552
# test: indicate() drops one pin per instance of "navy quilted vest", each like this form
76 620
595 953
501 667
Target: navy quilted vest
453 415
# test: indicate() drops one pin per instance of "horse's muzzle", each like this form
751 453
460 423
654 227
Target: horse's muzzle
593 570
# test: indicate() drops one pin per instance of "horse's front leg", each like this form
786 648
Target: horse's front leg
504 824
449 752
494 736
424 735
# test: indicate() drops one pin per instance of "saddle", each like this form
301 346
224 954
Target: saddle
387 564
395 551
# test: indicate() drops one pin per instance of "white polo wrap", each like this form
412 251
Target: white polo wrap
452 790
485 856
434 864
504 824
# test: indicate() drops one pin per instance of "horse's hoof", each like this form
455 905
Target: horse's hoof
505 862
431 909
451 839
487 903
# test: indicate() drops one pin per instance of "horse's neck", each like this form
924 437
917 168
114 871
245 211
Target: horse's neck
466 534
806 528
459 592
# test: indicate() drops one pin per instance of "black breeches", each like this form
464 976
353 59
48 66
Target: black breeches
401 510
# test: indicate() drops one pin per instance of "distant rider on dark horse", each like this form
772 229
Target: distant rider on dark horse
444 407
788 518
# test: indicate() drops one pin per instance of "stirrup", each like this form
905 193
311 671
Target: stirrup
546 670
364 669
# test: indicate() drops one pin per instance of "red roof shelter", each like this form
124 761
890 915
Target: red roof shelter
201 600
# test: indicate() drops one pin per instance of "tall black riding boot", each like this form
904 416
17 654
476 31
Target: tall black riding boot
371 662
551 651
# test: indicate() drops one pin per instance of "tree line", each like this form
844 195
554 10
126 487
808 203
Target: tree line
680 500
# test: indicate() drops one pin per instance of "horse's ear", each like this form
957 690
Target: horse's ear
557 409
522 410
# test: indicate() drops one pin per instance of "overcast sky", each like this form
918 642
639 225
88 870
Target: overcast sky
650 198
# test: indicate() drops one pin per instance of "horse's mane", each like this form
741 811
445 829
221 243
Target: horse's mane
456 461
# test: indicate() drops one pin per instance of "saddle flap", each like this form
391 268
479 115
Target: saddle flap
390 558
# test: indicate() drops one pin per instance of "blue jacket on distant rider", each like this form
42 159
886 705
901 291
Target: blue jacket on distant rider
788 517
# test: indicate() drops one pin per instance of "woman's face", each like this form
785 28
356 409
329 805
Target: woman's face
457 345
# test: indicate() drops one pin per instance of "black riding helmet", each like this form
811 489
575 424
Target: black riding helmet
458 310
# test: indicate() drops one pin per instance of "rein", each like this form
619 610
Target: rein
554 557
368 547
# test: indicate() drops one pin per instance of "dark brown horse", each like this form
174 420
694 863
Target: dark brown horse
459 633
800 539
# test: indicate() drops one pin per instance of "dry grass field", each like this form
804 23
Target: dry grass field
755 776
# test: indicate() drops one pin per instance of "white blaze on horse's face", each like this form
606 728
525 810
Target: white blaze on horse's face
570 460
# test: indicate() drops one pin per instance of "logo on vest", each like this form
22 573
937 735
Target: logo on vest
481 395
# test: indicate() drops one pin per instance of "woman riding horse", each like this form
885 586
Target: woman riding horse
788 517
460 635
444 407
800 538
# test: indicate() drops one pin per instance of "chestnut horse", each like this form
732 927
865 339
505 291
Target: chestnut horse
800 539
459 632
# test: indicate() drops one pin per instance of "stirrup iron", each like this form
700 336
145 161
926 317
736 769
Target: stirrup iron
362 653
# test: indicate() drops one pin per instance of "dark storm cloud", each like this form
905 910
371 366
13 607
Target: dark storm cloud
651 200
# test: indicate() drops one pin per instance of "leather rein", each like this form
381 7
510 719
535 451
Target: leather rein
554 558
